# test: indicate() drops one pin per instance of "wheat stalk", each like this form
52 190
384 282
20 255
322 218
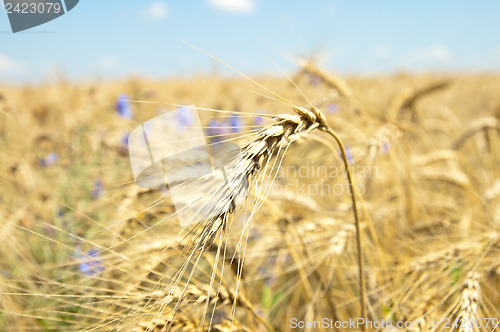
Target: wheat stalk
277 138
475 127
408 97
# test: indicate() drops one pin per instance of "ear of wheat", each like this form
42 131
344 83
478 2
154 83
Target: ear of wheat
270 143
469 303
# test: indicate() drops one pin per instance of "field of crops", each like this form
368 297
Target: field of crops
83 247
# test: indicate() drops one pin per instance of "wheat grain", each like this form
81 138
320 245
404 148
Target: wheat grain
469 303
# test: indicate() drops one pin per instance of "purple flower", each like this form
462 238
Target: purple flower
217 130
259 120
236 123
123 106
49 160
385 148
184 118
125 138
91 264
98 188
314 79
124 143
60 212
332 108
348 154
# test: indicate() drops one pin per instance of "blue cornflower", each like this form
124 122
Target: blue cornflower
332 108
91 264
124 143
259 120
124 107
348 154
314 79
385 148
49 160
98 188
236 123
184 118
217 130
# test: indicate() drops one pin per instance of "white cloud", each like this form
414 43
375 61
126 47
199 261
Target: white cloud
234 6
4 63
431 56
382 52
157 10
109 62
7 65
434 52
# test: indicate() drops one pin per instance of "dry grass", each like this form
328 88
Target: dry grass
424 151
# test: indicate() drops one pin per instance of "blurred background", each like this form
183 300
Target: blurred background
119 38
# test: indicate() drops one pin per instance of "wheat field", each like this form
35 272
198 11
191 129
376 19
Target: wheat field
84 248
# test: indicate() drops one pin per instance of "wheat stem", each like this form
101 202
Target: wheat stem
357 222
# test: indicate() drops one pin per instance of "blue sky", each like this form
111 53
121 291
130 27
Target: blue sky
117 38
